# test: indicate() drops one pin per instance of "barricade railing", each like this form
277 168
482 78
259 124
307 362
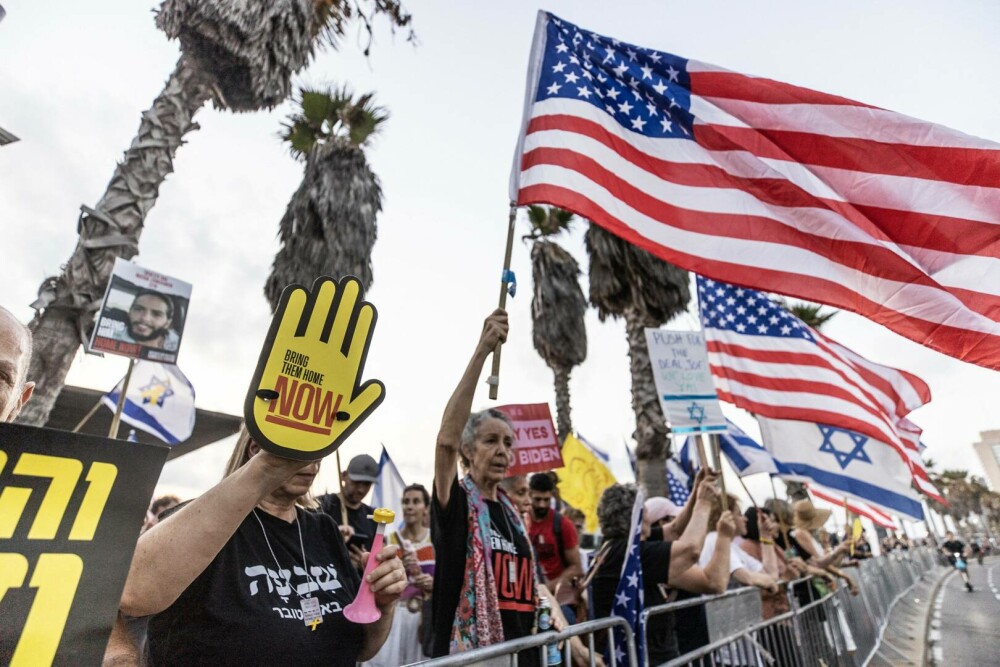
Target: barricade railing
835 629
494 655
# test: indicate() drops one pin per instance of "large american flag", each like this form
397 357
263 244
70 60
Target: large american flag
770 185
767 361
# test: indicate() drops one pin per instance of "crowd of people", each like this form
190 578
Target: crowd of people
258 571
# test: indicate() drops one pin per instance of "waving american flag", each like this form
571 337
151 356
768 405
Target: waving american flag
769 185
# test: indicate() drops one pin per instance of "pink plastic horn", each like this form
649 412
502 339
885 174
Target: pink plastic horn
364 609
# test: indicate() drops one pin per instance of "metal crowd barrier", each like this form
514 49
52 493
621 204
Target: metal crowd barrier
836 629
506 653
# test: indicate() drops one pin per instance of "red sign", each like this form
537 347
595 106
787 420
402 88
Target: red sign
536 445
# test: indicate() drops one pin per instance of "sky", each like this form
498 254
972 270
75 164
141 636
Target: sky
75 77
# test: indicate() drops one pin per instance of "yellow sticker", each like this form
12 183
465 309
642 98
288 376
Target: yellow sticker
306 396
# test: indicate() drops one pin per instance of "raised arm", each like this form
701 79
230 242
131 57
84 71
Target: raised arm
673 530
459 407
816 559
714 577
685 552
171 554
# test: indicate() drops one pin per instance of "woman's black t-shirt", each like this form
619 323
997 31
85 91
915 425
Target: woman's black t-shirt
243 610
450 532
655 557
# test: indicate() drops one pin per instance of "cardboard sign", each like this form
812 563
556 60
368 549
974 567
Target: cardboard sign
684 381
143 314
71 507
536 444
306 395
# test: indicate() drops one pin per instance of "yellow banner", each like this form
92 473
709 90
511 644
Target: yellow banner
583 479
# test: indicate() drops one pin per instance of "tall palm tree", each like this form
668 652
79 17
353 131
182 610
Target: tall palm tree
558 306
240 55
628 282
329 225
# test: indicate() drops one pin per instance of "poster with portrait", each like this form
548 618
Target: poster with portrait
143 314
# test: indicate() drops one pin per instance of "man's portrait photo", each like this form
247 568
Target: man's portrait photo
142 315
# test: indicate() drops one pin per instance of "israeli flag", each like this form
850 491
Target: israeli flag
387 491
842 460
159 400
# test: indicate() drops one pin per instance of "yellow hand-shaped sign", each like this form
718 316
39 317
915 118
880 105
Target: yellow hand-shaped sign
306 395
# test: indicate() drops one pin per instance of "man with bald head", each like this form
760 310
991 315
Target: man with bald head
15 354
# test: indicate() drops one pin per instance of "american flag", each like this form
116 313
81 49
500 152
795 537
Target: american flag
678 484
770 185
629 601
767 361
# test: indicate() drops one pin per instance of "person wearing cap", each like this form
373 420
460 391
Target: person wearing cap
246 575
357 480
660 512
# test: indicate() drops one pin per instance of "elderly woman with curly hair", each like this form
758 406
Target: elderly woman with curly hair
665 565
485 588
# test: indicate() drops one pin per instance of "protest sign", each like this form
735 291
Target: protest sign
536 445
71 507
142 315
684 381
306 396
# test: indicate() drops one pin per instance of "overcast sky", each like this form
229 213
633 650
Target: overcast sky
74 78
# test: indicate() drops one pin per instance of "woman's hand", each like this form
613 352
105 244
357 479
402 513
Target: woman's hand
494 330
388 579
726 527
273 471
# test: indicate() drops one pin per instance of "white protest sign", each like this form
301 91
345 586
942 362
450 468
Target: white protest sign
684 381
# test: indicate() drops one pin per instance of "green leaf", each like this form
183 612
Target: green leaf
316 107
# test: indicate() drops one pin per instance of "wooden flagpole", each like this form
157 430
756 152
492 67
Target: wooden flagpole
494 379
717 457
113 431
86 417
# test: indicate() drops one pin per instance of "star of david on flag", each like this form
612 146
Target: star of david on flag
856 445
629 600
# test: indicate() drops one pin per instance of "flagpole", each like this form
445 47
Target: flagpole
113 431
717 457
340 483
505 280
86 417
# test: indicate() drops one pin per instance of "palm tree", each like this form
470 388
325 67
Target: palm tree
240 55
628 282
329 225
558 306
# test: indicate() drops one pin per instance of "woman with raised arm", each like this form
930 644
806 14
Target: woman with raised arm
485 589
245 574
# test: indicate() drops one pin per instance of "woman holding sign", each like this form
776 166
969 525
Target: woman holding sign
246 575
485 590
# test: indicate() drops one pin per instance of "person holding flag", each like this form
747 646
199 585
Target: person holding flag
659 566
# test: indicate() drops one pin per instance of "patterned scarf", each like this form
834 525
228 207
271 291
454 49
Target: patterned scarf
477 619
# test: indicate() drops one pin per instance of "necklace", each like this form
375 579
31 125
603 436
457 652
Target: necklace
305 564
312 614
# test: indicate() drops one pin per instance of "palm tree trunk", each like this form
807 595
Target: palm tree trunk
652 444
564 422
66 304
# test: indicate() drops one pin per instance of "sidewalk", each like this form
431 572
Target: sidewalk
905 641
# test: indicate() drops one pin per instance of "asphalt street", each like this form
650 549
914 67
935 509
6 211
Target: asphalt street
968 621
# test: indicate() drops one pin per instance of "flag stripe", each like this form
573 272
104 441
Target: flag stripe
964 166
709 81
838 120
877 516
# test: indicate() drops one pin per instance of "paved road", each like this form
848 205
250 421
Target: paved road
969 620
